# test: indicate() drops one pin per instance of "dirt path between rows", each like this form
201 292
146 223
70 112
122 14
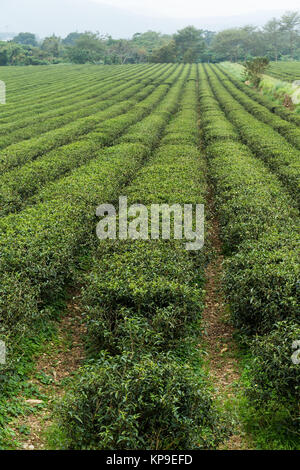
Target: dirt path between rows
60 360
221 347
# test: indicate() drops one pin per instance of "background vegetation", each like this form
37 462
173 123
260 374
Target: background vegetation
277 39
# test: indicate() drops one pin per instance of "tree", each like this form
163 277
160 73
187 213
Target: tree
255 69
28 39
228 44
273 32
290 23
89 47
188 56
164 54
52 45
122 50
150 40
141 54
208 36
189 43
252 43
71 39
3 56
16 54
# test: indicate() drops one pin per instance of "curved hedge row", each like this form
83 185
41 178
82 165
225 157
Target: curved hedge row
153 403
214 125
267 103
258 221
108 93
39 99
23 152
40 264
20 184
287 129
259 227
42 97
84 92
261 138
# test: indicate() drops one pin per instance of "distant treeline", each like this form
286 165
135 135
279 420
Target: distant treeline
277 39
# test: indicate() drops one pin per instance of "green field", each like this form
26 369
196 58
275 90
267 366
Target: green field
75 137
287 71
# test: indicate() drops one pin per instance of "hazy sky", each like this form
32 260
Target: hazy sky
123 18
190 8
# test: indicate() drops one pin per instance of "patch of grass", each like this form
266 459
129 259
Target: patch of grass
55 438
15 382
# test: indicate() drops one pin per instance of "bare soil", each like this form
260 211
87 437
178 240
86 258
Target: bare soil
221 347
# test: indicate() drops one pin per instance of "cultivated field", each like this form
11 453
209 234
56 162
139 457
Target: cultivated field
158 321
287 71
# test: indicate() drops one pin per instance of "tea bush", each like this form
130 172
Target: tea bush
259 229
264 141
273 374
151 403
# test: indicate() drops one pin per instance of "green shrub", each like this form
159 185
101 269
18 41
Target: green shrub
250 199
160 288
271 409
261 281
19 304
152 403
61 225
139 299
255 68
273 374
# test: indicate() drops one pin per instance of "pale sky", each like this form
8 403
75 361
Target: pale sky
123 18
196 8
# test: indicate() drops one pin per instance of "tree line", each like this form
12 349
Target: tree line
278 39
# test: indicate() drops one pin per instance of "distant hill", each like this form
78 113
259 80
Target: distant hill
63 16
